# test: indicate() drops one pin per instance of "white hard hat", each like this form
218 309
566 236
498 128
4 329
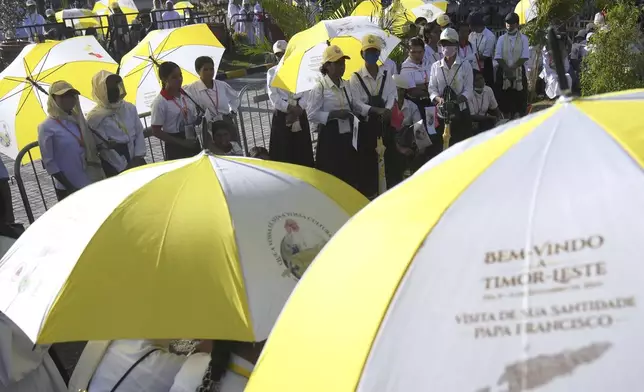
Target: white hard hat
30 3
49 12
279 46
449 34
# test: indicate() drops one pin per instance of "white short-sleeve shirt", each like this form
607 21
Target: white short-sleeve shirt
173 114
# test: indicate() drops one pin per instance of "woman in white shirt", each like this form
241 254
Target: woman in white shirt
290 140
115 124
466 50
330 106
216 98
431 36
173 115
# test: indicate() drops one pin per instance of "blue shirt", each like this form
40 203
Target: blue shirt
62 152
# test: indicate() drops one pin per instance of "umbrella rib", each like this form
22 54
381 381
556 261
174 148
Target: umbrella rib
17 92
168 53
24 102
145 76
45 60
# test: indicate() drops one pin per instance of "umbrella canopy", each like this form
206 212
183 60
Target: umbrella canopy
399 14
527 10
24 84
102 7
78 18
182 6
518 275
223 239
181 45
299 69
429 10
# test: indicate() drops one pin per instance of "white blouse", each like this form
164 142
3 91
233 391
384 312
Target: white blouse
327 97
172 115
217 101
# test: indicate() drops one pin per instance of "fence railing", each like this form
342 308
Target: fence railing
253 120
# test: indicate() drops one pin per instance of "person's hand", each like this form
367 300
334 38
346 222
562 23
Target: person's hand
439 101
386 115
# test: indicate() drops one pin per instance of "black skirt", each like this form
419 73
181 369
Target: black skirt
291 147
173 151
335 153
367 174
512 101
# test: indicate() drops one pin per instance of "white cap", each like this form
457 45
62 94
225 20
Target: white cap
449 34
30 3
401 81
599 19
49 12
279 46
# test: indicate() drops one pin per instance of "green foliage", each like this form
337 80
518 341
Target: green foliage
616 62
550 13
289 18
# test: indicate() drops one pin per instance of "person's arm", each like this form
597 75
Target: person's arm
498 56
389 93
490 42
48 154
434 94
525 52
279 100
139 138
494 106
231 94
468 81
315 110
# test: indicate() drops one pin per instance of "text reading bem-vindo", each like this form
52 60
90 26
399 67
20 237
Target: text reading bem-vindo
547 249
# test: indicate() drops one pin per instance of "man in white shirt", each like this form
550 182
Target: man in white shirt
33 24
450 88
466 50
512 52
290 139
483 106
246 18
373 93
171 18
416 70
484 41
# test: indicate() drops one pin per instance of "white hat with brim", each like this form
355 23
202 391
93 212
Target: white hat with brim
449 35
401 82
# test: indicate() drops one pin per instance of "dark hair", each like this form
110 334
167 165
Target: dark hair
165 70
219 360
475 73
203 60
420 19
416 41
257 151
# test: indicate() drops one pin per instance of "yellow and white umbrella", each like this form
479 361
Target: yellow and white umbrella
24 84
182 6
181 45
519 274
129 8
400 14
300 67
224 239
527 10
78 18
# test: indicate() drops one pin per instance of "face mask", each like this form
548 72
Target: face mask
371 57
449 51
478 90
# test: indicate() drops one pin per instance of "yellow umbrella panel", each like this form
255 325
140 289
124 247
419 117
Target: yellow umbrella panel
24 84
518 274
223 239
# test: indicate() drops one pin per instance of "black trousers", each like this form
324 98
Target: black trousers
6 207
62 193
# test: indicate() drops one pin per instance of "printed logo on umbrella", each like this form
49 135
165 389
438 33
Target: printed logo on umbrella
295 240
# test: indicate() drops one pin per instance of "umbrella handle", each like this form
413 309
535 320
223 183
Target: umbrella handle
447 134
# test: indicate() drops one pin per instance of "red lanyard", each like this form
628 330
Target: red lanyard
80 140
216 105
184 109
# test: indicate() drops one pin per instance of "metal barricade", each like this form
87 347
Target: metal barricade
36 187
255 117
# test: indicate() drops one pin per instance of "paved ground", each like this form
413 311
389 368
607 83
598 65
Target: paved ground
255 123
